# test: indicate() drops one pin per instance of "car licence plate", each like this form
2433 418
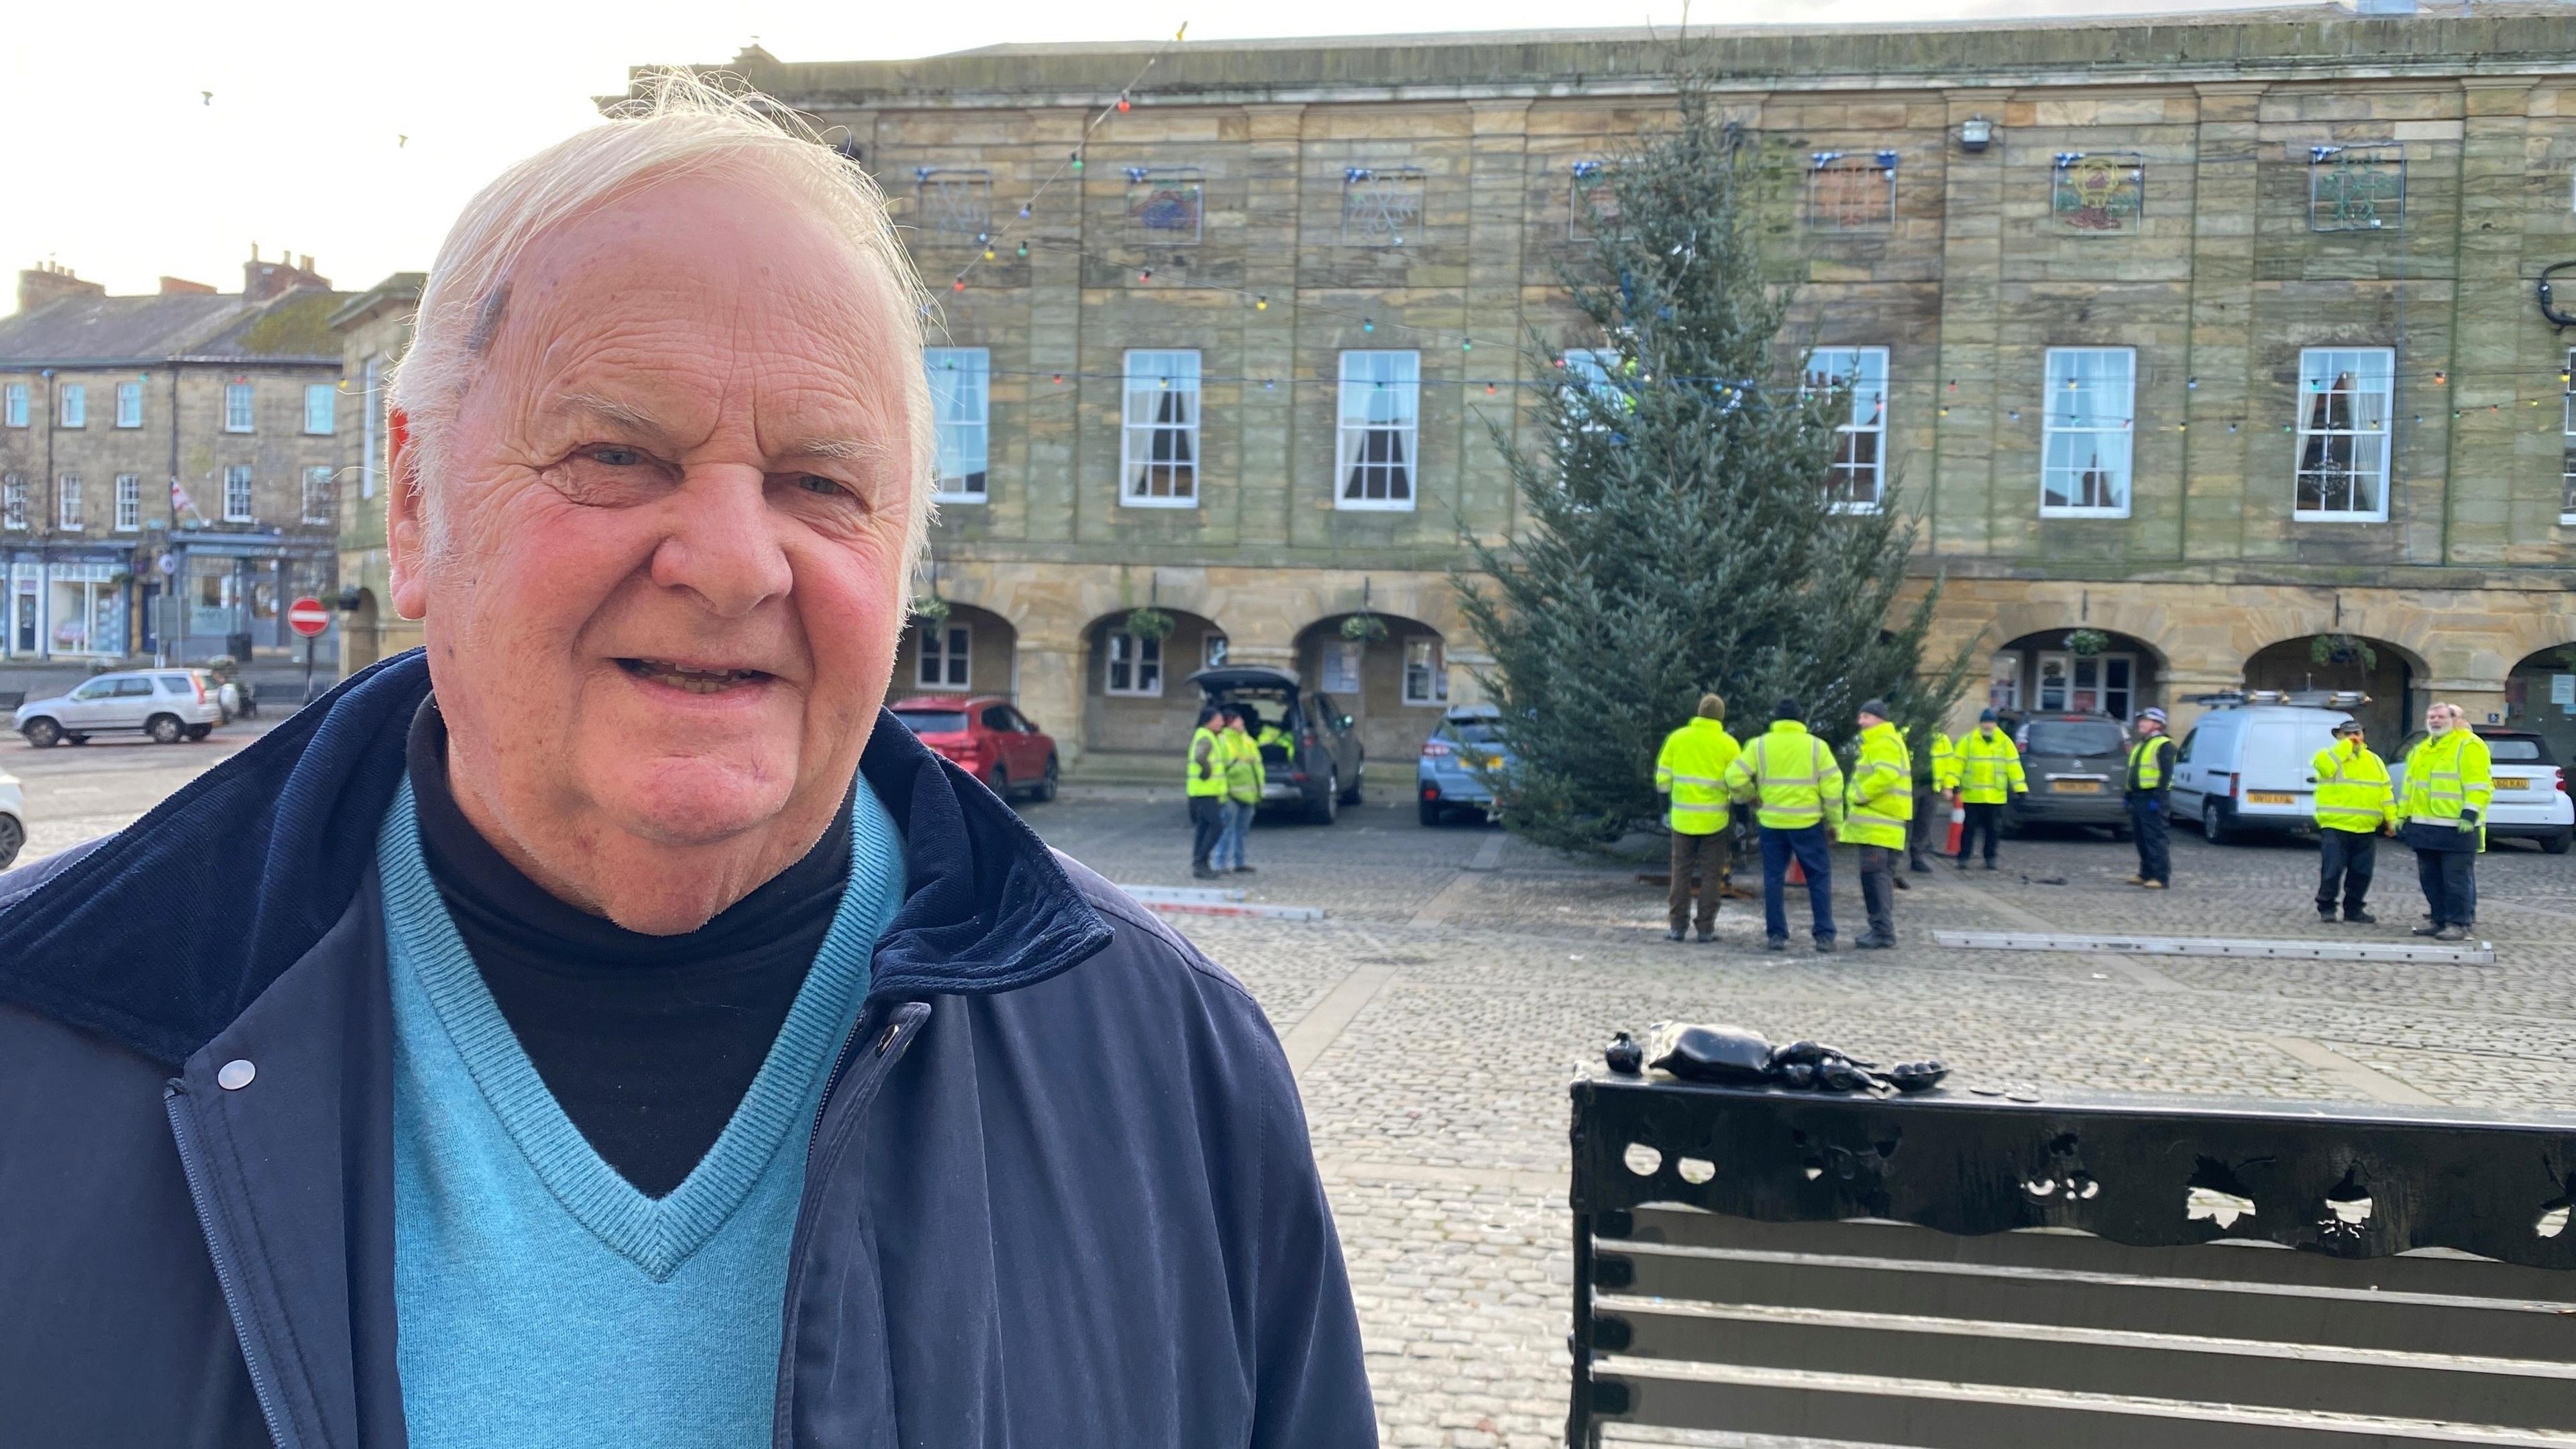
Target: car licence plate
2075 787
2512 782
2271 797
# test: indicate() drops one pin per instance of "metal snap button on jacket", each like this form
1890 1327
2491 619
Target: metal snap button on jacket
234 1075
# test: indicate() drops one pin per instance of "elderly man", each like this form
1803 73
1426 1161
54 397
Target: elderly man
2450 780
605 1028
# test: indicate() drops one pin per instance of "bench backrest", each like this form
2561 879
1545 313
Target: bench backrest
1957 1271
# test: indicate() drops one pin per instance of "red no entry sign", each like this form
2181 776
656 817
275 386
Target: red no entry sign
307 617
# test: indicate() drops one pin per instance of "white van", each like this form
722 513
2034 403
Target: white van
2244 766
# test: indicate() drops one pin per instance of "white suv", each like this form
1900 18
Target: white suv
169 705
13 819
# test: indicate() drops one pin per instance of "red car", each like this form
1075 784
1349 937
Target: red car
987 738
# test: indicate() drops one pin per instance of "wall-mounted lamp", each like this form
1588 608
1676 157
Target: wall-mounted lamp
1975 132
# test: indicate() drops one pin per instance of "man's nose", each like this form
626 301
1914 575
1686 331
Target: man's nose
722 542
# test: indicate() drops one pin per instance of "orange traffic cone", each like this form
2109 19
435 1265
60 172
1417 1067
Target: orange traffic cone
1797 872
1958 824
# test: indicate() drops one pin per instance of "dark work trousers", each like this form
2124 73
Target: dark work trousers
1988 818
1931 812
2151 827
1808 844
2450 882
1207 822
2345 859
1703 857
1878 889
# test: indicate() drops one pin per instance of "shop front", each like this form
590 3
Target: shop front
227 594
68 605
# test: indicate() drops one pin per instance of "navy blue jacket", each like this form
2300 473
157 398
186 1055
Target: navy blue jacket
1059 1194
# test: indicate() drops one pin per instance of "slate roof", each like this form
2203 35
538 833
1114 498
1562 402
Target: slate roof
93 331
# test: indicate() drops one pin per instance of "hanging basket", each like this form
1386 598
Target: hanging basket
2342 649
1366 628
1149 623
930 609
2085 643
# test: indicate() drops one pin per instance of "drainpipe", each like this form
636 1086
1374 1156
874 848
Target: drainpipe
45 532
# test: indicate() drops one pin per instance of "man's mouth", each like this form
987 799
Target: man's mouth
691 678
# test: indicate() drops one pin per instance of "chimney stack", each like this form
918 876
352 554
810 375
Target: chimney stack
45 281
289 273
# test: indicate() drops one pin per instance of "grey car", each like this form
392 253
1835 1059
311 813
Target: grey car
2077 766
1309 753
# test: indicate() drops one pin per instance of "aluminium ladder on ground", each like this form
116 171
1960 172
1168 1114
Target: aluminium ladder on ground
1957 1271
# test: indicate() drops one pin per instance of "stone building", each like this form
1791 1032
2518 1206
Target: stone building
168 464
375 329
2205 346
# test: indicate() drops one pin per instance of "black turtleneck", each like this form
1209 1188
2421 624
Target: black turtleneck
647 1042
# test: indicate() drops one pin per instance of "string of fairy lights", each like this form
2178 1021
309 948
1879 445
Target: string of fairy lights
1600 369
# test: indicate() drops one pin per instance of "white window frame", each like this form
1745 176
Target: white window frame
375 401
68 510
2567 463
324 396
241 414
1426 672
1141 658
13 501
2374 374
1363 396
2003 680
1868 381
71 406
963 423
13 405
2071 667
940 650
129 404
237 476
2107 420
320 481
1155 380
129 502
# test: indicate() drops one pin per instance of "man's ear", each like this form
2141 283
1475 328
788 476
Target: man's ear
406 530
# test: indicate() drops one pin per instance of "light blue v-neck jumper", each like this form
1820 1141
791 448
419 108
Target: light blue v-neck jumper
540 1299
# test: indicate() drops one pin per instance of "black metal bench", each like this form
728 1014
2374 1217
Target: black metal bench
1957 1271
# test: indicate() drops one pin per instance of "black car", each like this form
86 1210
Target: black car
2077 766
1309 754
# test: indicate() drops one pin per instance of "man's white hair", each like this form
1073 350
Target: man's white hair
682 125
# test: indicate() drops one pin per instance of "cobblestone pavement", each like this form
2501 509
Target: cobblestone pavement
1461 978
1438 1012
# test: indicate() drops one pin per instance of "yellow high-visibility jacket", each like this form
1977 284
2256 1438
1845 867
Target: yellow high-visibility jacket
1691 767
1204 771
2447 774
1940 764
1989 768
1879 802
2352 788
1793 777
1244 775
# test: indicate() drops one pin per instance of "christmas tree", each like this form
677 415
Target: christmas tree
1681 529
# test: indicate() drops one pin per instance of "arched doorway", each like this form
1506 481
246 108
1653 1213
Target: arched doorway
970 652
2075 671
1390 674
2324 663
1135 691
2540 696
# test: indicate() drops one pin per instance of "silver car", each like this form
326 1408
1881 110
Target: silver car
13 819
169 705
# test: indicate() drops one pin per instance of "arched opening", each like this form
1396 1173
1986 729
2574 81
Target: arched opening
1390 674
1135 690
2316 663
2075 671
2540 696
362 634
971 652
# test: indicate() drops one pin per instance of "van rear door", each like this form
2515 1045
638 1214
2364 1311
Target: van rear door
2274 764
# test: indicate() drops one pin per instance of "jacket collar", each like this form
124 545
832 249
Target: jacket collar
161 935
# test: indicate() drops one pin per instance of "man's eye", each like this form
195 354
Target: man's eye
616 457
817 483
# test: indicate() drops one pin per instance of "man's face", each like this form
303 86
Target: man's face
2151 727
1870 721
675 498
2437 719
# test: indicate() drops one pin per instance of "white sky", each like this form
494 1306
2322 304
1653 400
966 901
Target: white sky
124 171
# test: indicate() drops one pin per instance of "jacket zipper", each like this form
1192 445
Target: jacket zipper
263 1383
